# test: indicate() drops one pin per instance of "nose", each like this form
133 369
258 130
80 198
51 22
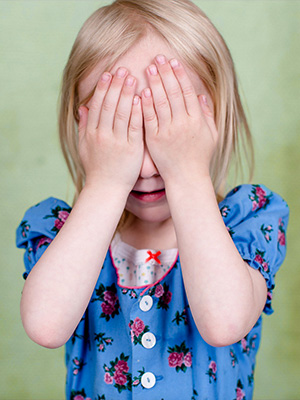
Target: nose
148 167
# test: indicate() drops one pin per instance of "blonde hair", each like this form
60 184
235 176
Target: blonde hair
113 29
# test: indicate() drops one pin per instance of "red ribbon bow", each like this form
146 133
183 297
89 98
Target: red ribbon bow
154 256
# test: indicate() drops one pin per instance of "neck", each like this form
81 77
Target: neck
153 235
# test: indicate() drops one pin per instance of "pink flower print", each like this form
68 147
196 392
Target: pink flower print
269 295
138 326
267 236
213 366
265 266
58 224
120 378
239 394
108 309
110 297
122 366
43 241
259 259
175 359
108 379
75 371
76 361
244 344
159 291
63 215
254 205
136 382
101 347
188 360
167 297
281 238
260 192
79 397
262 202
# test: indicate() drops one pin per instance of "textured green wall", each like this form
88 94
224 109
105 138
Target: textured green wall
35 39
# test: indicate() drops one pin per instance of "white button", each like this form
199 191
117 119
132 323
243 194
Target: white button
146 303
148 340
148 380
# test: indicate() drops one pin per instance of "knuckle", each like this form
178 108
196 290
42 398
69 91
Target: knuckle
121 115
188 91
108 106
134 127
151 117
175 92
162 103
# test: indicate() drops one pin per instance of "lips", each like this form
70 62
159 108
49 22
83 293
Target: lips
148 197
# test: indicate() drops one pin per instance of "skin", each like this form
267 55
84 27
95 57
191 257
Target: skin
165 140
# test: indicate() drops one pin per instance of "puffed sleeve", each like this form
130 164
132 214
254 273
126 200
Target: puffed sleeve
38 228
256 219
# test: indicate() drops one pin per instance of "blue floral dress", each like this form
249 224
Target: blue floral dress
140 341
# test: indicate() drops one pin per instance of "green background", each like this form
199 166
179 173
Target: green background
35 40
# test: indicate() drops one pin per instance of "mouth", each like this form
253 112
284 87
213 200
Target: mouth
148 197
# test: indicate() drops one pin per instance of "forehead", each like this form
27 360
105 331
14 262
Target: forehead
136 60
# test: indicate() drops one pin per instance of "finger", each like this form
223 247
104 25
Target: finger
97 100
124 107
160 99
149 114
171 86
83 117
188 90
209 116
110 102
135 130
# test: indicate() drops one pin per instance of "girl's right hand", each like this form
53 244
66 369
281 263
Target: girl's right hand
111 144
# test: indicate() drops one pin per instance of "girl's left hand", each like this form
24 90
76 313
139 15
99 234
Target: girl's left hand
180 131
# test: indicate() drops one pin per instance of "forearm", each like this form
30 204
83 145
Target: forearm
58 289
219 284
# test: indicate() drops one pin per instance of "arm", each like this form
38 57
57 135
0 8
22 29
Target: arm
225 295
59 287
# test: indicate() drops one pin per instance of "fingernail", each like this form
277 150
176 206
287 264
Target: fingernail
136 100
153 70
129 81
105 77
121 72
147 92
174 63
160 59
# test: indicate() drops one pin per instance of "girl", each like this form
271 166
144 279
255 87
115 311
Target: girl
154 280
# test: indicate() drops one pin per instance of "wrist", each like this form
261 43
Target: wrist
112 193
186 183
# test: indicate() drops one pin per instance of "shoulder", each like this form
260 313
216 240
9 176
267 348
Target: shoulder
252 200
42 219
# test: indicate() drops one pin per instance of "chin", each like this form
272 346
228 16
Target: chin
149 214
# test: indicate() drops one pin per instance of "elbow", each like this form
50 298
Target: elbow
42 333
43 337
222 333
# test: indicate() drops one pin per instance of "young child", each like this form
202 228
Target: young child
154 280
